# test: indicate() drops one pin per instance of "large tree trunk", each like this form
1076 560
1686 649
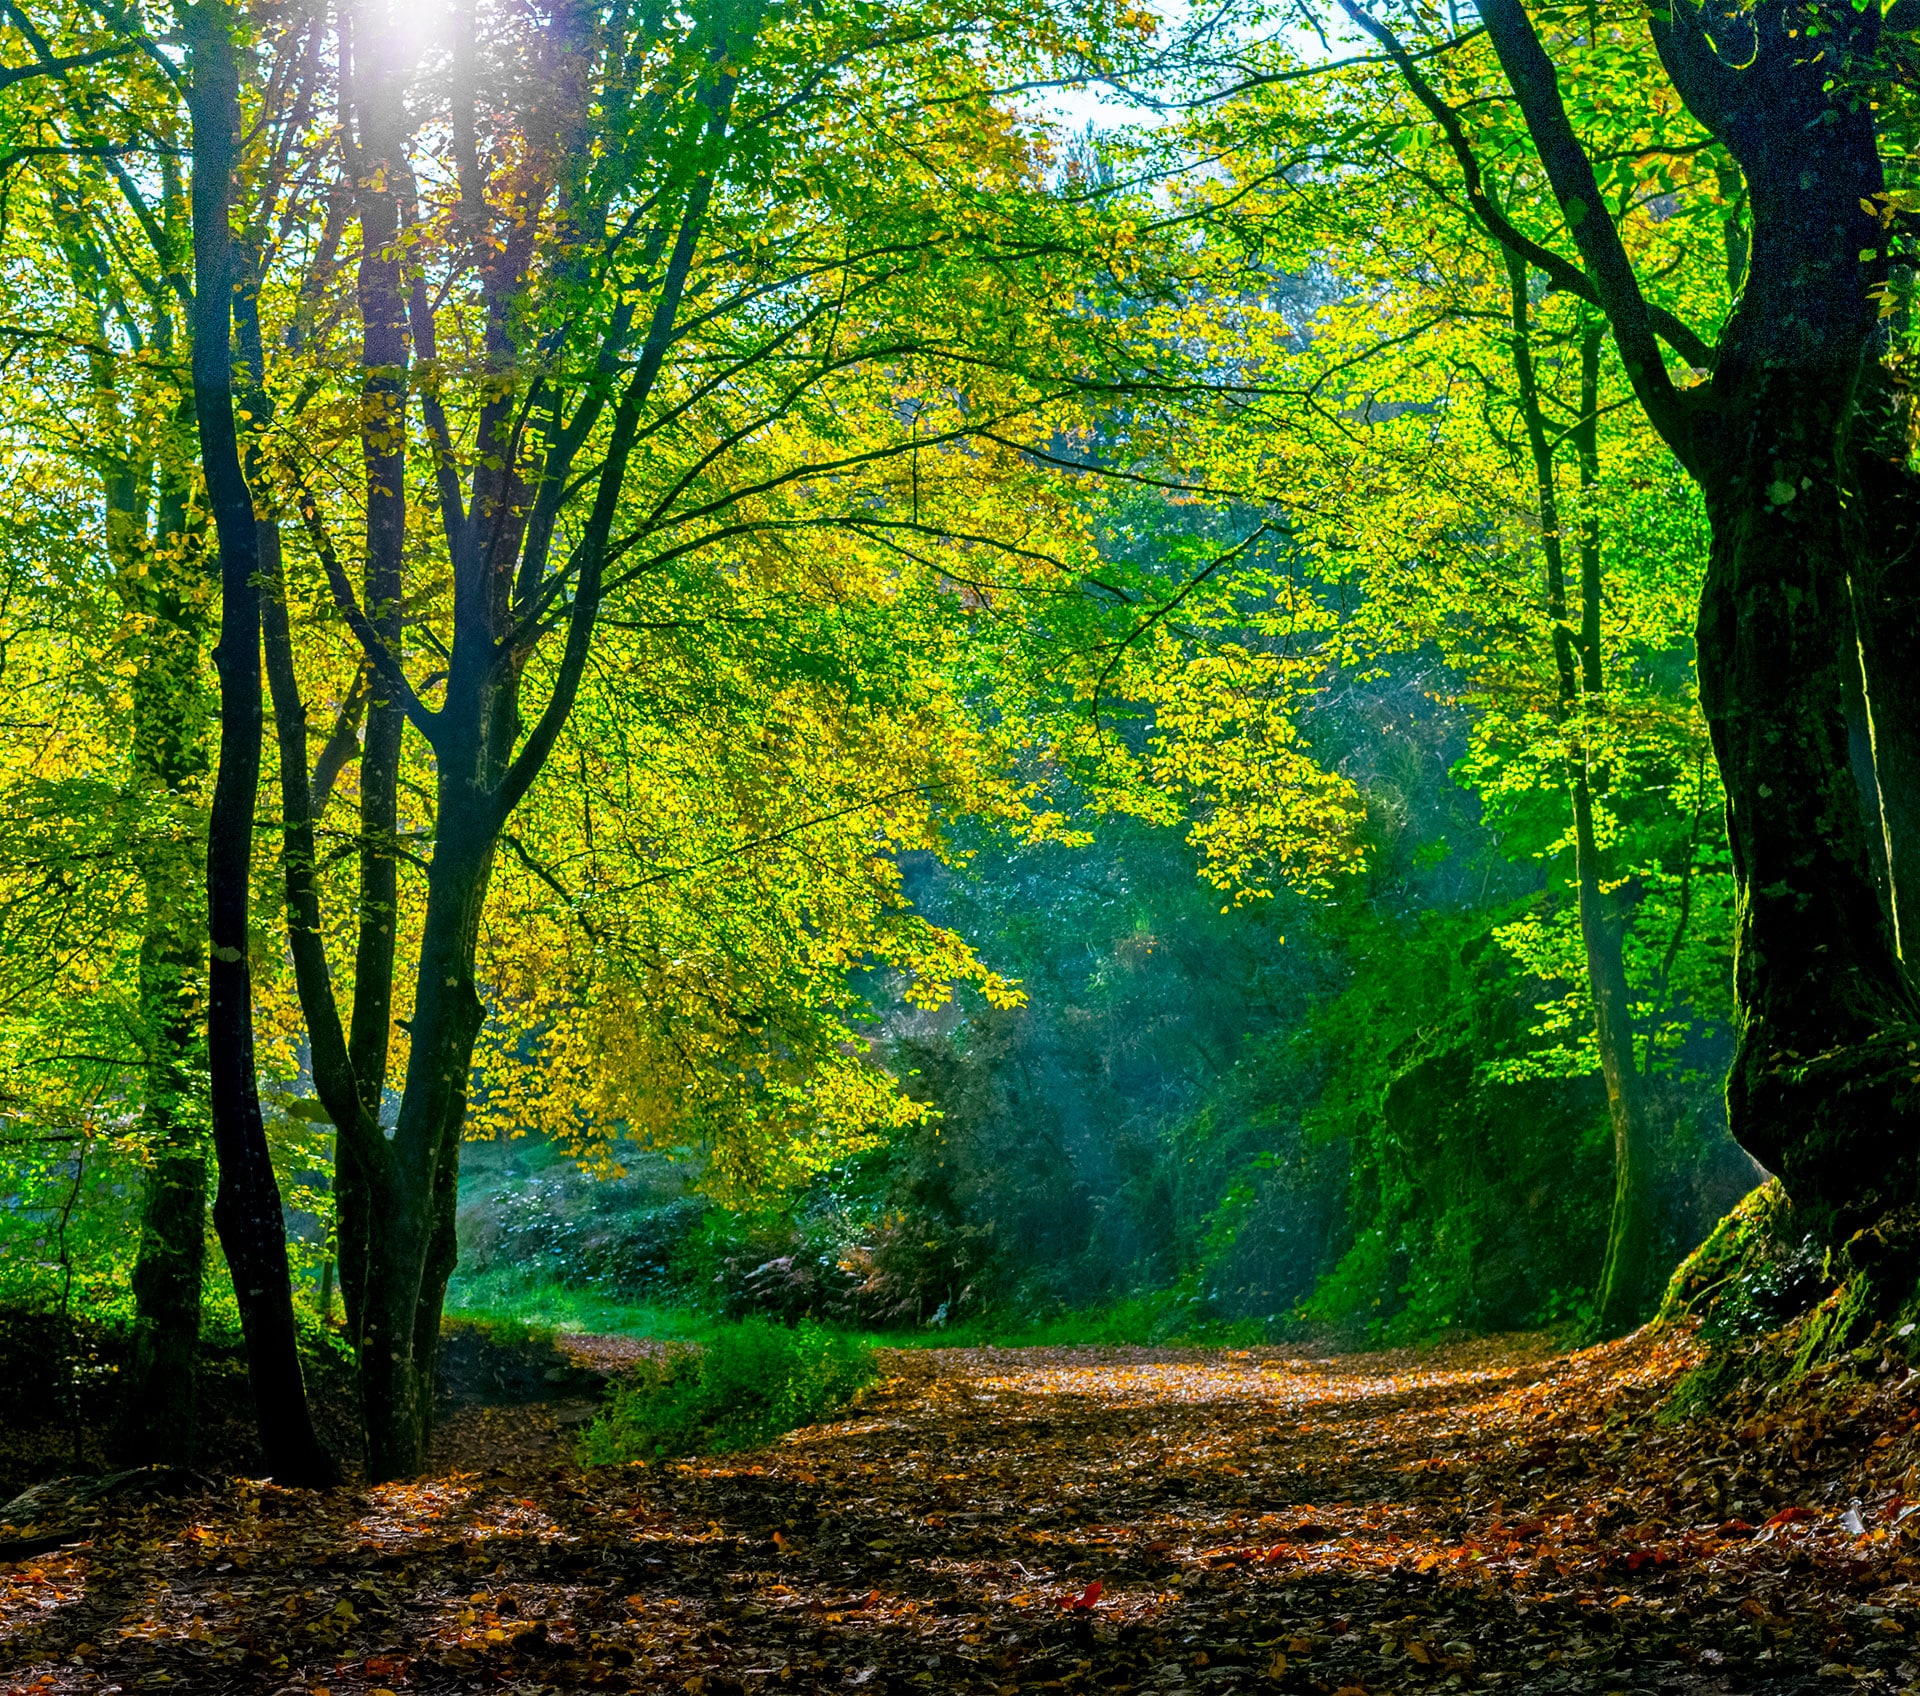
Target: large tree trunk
247 1208
1820 1090
1798 582
411 1257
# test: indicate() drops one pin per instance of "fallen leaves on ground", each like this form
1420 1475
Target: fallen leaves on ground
1101 1520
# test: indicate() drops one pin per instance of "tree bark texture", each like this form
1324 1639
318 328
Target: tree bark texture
247 1208
1800 588
1820 1087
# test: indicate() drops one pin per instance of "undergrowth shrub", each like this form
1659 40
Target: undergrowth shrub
742 1386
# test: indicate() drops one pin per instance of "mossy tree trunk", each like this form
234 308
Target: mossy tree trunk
168 763
1580 680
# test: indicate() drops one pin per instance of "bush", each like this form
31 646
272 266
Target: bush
775 1272
743 1386
917 1269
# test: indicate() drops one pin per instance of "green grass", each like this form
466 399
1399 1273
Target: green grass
1159 1319
740 1386
505 1298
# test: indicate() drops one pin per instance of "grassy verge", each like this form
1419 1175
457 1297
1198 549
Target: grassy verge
1161 1318
492 1298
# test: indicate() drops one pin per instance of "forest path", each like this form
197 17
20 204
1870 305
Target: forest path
1083 1520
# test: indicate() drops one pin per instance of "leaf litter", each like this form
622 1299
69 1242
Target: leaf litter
1493 1516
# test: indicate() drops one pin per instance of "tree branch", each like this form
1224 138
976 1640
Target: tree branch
592 551
1560 271
333 1075
343 744
1531 75
379 655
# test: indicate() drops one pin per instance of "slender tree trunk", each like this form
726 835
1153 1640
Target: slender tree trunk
161 581
247 1209
1622 1296
160 1409
380 168
1626 1277
158 1426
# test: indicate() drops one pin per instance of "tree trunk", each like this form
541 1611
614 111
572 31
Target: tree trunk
247 1209
1627 1273
1820 1089
411 1258
159 1421
160 580
1622 1295
380 168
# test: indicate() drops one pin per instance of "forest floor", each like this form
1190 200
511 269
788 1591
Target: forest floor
1491 1517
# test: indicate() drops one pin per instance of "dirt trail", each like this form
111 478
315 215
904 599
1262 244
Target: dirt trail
1490 1518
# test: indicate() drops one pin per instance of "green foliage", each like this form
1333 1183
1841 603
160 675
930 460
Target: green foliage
1076 1126
529 1218
739 1387
1460 1183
